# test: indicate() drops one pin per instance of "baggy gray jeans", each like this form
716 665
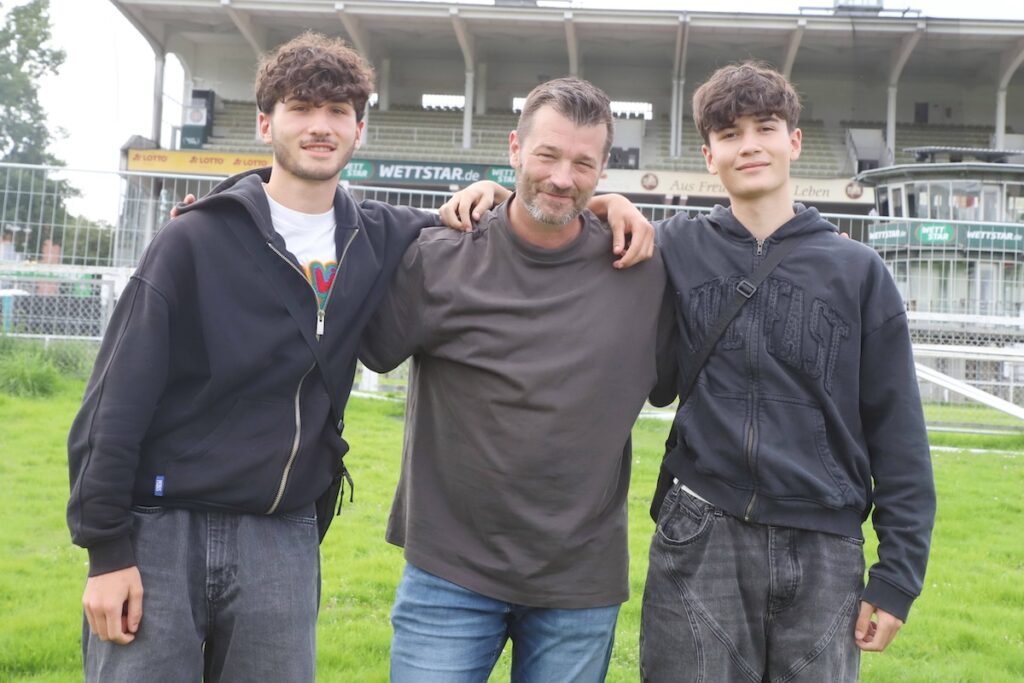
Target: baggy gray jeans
730 601
226 597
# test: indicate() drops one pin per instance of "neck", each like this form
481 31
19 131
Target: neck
305 196
764 215
539 234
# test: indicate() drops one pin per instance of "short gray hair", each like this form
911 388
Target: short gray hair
578 100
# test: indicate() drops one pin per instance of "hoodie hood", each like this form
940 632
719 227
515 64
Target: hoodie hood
806 221
247 188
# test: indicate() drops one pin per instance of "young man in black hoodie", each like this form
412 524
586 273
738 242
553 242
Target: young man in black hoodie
211 423
805 419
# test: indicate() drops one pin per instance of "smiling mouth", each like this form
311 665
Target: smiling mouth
318 147
747 167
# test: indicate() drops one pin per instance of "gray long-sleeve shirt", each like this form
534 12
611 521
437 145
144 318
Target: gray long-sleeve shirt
530 367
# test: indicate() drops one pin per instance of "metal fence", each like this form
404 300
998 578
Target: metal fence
61 272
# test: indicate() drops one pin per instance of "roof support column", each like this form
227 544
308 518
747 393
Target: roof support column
466 44
481 89
898 61
1010 62
675 145
156 43
384 85
255 35
158 96
794 46
572 45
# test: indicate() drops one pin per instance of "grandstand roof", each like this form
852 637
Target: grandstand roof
837 44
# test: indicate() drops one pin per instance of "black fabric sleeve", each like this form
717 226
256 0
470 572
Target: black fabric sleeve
105 438
904 489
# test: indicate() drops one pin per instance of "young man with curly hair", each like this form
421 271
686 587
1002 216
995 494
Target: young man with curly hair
210 426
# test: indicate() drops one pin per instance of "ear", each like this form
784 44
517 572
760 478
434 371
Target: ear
263 123
796 144
360 127
708 159
513 149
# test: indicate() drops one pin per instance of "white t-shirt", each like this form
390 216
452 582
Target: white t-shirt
310 237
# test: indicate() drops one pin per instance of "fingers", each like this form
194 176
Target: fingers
113 605
641 247
133 615
176 209
875 635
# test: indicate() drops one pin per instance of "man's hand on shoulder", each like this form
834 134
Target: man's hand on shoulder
625 219
189 199
468 204
875 635
113 604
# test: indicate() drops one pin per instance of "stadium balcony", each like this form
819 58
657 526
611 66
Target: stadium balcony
930 135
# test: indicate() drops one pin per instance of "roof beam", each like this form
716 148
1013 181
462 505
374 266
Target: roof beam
795 37
1009 63
354 28
901 54
464 37
255 35
572 45
682 44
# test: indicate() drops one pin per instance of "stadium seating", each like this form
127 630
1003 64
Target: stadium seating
414 134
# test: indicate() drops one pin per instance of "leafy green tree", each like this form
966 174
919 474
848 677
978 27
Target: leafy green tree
25 57
35 209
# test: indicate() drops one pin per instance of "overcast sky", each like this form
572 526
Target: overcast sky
103 93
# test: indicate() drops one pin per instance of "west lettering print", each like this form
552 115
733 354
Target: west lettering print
320 275
807 335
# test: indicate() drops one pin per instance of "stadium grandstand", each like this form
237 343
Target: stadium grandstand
887 96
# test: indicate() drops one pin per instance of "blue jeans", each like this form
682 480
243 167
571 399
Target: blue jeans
727 600
445 633
226 597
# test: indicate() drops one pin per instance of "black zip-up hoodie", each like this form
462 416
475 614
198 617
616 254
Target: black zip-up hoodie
205 393
807 414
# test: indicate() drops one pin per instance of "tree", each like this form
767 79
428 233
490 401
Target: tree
25 57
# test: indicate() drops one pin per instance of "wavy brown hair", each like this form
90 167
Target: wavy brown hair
314 68
746 89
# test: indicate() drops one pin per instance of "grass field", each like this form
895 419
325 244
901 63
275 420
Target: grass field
967 626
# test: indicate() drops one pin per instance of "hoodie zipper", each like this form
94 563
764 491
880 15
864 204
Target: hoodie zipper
750 443
321 316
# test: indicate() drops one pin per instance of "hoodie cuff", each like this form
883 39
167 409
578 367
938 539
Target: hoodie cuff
110 556
888 597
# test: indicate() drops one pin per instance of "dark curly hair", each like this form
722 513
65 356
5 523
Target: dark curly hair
314 68
746 89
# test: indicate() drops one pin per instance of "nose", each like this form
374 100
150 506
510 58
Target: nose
749 143
318 121
561 175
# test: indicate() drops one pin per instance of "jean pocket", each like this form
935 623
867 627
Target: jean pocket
298 518
148 509
684 519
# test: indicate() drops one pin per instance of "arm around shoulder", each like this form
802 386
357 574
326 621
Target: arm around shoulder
396 330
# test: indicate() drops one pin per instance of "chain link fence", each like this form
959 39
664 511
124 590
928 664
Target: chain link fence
61 273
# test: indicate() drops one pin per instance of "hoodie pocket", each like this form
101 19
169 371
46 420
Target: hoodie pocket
794 460
712 428
238 464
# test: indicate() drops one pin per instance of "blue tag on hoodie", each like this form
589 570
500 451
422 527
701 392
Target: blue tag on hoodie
158 486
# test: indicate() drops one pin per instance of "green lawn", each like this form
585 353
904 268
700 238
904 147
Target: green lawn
968 625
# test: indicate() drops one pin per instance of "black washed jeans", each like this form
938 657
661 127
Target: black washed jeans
727 601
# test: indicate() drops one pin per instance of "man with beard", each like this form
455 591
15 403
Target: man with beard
211 424
532 359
